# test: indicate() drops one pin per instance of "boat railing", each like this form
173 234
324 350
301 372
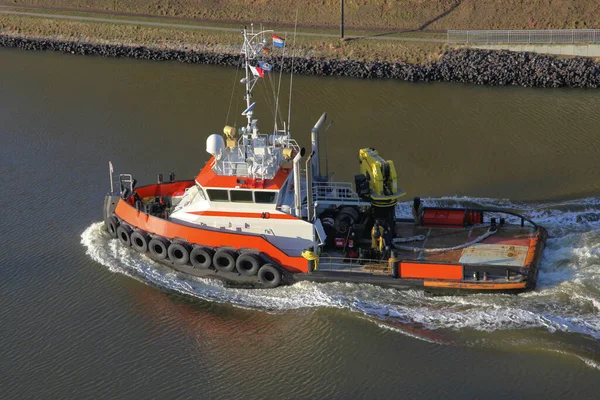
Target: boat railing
491 212
335 192
233 168
265 157
350 264
123 182
294 145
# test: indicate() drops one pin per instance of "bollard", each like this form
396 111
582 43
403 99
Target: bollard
394 264
311 263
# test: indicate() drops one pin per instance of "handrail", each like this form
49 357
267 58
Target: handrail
331 263
344 264
335 190
123 180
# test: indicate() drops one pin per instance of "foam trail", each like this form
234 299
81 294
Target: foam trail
566 300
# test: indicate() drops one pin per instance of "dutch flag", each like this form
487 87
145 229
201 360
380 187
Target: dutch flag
277 41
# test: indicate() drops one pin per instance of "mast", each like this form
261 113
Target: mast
248 95
251 49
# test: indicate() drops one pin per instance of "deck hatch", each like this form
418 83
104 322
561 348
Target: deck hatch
495 254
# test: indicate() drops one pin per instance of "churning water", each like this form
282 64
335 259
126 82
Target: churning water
566 299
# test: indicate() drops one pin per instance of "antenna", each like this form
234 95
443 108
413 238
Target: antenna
279 84
326 157
292 77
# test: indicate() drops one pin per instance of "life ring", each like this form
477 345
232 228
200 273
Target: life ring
124 234
112 224
224 260
202 257
269 276
247 264
179 253
139 241
158 248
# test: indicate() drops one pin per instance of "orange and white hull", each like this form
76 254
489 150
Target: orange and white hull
436 274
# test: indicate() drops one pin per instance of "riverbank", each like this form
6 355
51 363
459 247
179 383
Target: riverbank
387 15
481 67
216 37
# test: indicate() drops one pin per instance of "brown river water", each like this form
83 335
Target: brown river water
82 317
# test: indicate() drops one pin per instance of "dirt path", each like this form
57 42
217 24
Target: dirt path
4 9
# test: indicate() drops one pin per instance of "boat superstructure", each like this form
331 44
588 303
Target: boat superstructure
262 212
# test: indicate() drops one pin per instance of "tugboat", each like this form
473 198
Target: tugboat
263 214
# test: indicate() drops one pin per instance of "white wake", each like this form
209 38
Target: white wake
566 300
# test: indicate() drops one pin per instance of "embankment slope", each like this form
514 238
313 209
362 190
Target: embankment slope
380 14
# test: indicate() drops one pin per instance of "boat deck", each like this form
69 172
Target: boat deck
508 246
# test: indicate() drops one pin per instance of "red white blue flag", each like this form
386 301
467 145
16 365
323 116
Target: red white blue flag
277 41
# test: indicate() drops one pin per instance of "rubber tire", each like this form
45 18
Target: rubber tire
139 236
228 257
124 235
174 248
203 253
161 244
112 224
247 260
269 276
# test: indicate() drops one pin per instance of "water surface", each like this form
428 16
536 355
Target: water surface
83 317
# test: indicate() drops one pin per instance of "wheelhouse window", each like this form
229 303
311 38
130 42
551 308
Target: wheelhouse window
265 197
241 196
217 194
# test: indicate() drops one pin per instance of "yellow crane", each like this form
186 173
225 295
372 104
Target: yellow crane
381 176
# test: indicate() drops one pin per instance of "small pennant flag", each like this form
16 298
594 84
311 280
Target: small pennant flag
110 166
266 67
257 71
277 41
266 49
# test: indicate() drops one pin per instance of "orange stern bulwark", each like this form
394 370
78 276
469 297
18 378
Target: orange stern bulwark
419 270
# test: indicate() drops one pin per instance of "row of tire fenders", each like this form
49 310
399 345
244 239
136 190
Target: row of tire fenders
199 257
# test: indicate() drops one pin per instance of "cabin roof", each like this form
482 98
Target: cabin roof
207 178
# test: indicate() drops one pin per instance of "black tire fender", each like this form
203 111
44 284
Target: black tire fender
124 234
158 248
201 257
112 224
179 253
269 276
224 260
247 264
139 241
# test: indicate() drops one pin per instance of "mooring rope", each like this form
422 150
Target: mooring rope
489 233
